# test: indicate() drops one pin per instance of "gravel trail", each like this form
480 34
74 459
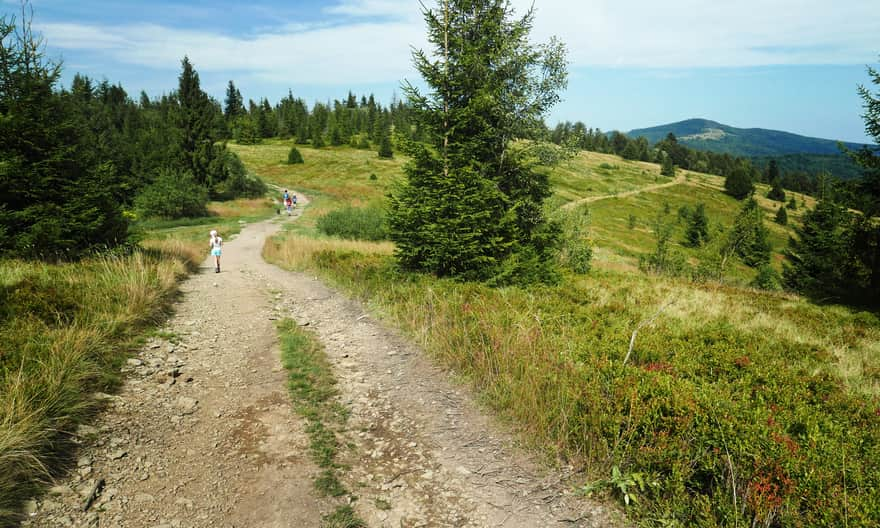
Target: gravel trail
203 434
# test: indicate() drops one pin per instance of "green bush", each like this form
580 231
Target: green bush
172 195
294 156
576 248
356 223
237 181
767 279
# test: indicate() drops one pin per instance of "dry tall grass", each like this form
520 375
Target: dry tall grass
64 332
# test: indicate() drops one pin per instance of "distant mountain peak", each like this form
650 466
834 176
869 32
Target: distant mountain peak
705 134
708 134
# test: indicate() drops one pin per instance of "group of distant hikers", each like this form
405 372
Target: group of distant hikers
289 201
216 242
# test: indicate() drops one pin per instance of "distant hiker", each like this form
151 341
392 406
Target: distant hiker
215 245
289 205
284 196
294 200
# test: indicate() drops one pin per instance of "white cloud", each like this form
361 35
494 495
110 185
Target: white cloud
395 9
320 55
365 41
709 33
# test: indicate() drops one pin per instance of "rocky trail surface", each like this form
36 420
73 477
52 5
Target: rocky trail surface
203 433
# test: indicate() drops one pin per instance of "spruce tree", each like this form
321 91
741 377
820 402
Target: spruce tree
819 261
739 183
776 192
754 247
471 206
234 104
195 116
667 168
697 232
792 203
772 173
781 217
317 138
57 197
294 156
385 150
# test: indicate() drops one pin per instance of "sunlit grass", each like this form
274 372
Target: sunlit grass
550 359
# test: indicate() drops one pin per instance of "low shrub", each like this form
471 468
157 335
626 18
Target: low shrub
294 156
238 182
354 223
172 195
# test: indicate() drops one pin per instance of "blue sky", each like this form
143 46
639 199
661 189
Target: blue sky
782 64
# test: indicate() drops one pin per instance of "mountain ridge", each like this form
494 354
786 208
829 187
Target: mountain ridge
706 134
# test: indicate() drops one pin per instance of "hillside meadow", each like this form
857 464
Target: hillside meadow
66 328
735 407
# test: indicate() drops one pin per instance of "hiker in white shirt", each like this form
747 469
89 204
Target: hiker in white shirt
215 245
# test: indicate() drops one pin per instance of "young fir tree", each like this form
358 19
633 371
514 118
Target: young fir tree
697 232
781 217
739 183
748 227
667 167
385 150
792 203
471 206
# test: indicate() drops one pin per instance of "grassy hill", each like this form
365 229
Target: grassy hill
735 405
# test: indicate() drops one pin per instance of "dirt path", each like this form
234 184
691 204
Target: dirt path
203 434
679 179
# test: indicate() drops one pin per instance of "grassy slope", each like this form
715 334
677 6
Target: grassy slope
729 388
65 329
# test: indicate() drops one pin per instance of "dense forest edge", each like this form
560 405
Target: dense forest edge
750 401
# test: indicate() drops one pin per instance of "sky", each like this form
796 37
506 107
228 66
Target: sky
790 65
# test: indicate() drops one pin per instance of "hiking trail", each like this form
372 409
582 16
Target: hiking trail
203 434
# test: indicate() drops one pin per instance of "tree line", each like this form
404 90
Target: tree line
359 122
78 163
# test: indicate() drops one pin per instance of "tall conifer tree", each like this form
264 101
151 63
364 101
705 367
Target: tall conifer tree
471 205
195 120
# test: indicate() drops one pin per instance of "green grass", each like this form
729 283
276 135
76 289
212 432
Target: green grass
724 372
343 517
331 176
593 174
313 389
731 392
